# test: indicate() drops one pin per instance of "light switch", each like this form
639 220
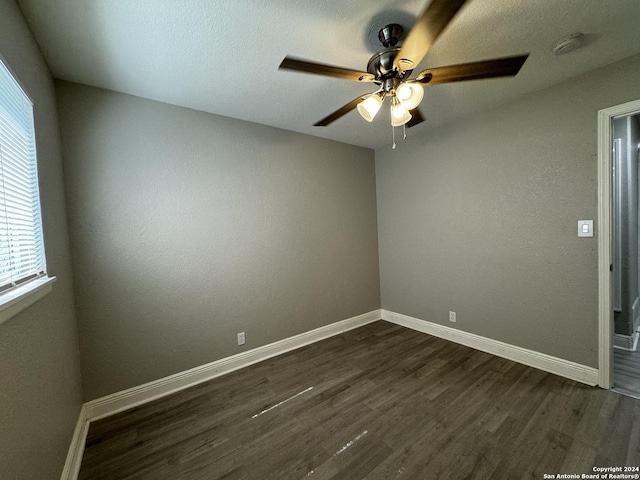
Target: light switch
585 228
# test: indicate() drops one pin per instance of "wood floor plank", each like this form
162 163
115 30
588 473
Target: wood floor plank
377 402
626 372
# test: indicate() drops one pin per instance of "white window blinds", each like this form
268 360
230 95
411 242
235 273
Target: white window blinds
21 245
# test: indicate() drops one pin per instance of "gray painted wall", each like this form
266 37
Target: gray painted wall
188 228
480 217
39 363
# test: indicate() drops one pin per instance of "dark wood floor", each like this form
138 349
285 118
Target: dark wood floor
378 402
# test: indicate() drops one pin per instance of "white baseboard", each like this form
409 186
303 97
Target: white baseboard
626 342
132 397
548 363
623 342
76 449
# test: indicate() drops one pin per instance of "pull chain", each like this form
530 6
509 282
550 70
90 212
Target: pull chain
393 135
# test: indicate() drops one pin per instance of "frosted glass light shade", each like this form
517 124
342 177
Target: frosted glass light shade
410 95
369 107
399 115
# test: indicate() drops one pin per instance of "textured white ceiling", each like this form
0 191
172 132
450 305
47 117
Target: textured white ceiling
222 56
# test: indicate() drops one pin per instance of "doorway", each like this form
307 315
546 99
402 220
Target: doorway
618 245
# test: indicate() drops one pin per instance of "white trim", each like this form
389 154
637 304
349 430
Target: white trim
626 342
132 397
605 321
17 299
76 449
616 222
623 342
548 363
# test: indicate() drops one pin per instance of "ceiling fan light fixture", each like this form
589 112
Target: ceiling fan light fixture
391 68
370 107
399 115
410 95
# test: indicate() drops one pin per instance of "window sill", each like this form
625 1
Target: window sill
13 302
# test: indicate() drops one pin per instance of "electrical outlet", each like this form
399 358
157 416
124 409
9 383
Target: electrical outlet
452 316
241 339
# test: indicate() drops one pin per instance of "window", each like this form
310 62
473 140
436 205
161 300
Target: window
22 260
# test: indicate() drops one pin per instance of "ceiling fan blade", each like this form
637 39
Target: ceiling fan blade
416 118
425 32
341 111
499 67
290 63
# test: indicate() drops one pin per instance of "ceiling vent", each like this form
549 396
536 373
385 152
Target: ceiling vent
568 44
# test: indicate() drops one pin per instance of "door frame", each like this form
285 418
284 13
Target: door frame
605 205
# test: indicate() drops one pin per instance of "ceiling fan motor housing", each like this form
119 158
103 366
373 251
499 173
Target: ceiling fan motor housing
381 64
390 35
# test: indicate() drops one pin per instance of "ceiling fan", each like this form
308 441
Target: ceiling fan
391 68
